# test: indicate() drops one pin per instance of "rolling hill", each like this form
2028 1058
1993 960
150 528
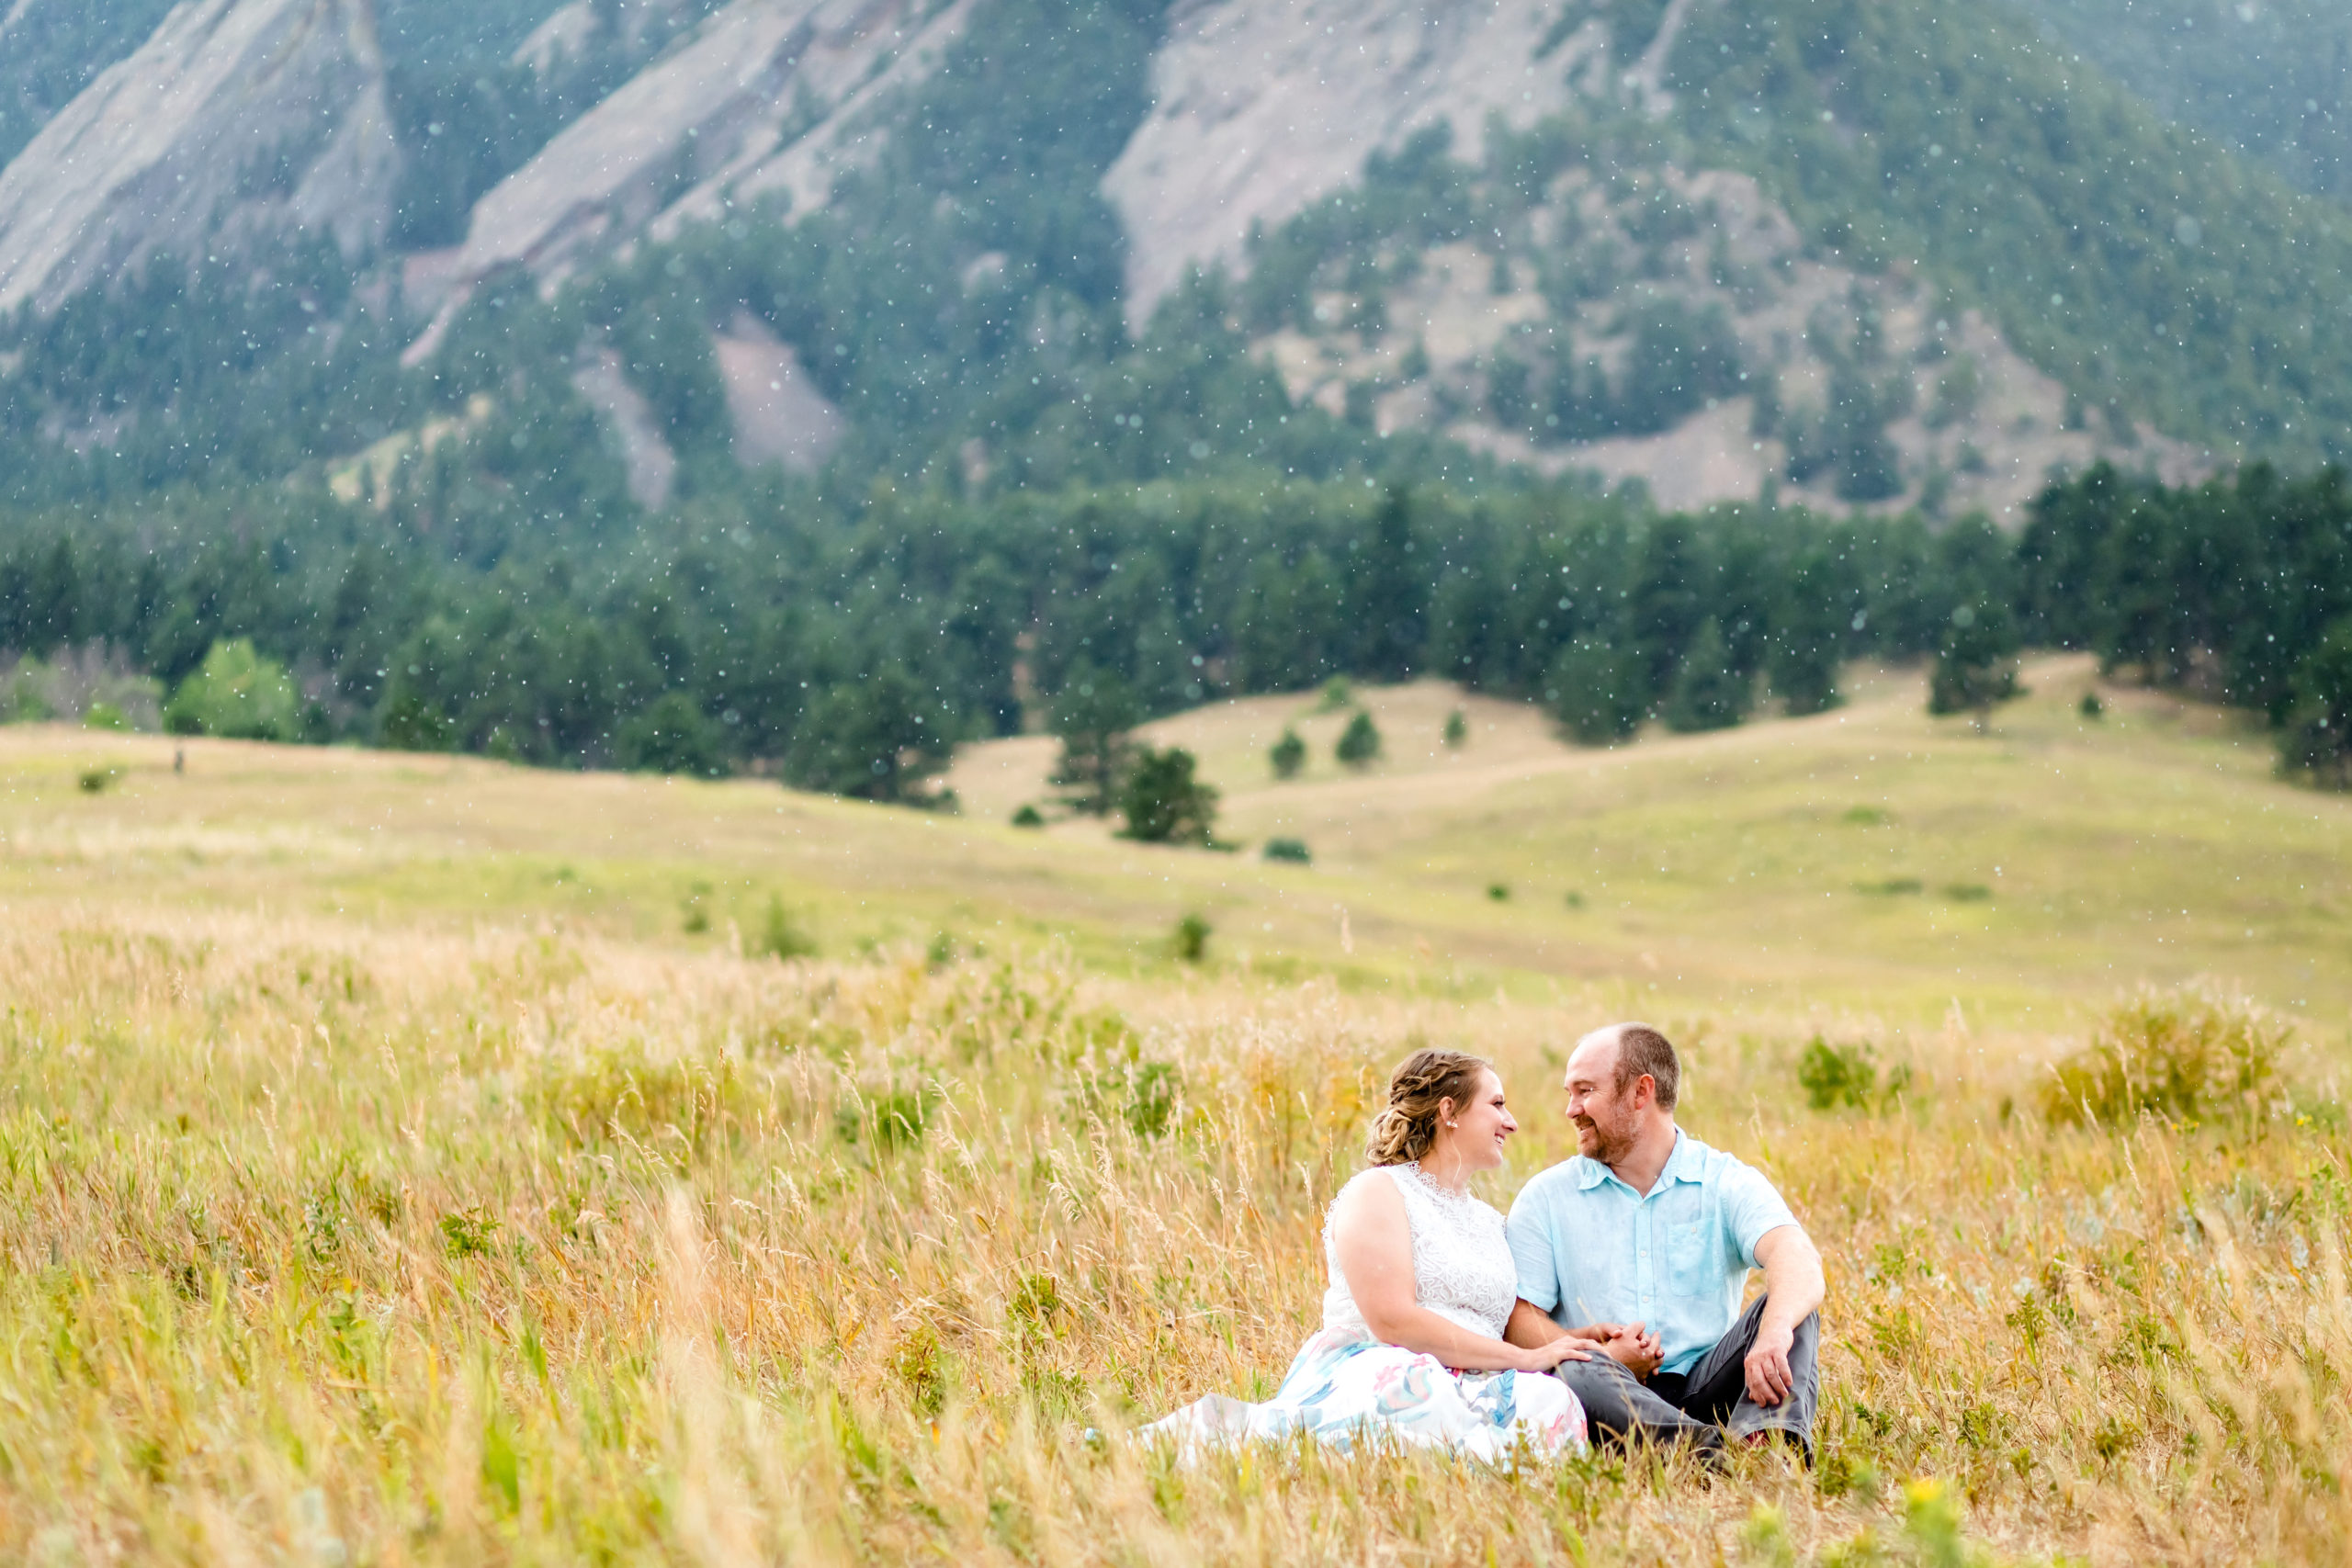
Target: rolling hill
1871 854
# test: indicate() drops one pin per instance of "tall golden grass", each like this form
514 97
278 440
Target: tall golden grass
333 1245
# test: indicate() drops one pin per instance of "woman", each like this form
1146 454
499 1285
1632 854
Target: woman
1422 1282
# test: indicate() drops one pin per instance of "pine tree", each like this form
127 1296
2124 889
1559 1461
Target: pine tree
877 738
1597 692
1092 715
1392 591
1164 801
1976 665
1708 692
2316 743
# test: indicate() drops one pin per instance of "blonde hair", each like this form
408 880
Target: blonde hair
1407 1125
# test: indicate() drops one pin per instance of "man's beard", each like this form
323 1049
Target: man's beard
1605 1148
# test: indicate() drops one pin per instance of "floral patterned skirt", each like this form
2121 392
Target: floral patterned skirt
1347 1388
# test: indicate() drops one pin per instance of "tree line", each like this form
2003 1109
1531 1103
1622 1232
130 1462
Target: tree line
854 656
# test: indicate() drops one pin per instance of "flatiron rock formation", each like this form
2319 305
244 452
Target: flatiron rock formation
237 116
1261 106
765 98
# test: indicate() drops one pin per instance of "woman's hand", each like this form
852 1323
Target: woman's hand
1543 1358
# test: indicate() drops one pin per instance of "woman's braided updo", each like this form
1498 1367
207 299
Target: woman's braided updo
1406 1126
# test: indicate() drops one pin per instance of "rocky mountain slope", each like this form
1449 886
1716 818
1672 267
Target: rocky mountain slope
762 99
237 114
1725 251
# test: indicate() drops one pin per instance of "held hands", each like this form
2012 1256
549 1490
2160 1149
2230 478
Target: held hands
1769 1377
1633 1346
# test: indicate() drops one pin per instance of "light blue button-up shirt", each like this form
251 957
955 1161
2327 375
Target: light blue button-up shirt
1590 1249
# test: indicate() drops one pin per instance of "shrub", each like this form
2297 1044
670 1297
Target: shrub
412 723
1192 940
2316 743
1164 802
1338 696
93 781
1834 1076
104 714
673 734
1292 850
1457 729
1288 755
1499 891
2091 707
889 1121
1359 745
781 936
468 1233
2188 1057
1028 817
238 694
1150 1101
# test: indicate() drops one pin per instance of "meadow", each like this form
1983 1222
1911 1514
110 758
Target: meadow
416 1160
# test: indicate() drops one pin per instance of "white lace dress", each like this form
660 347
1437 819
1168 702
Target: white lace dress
1347 1387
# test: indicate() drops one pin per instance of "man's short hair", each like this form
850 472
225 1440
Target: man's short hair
1641 1049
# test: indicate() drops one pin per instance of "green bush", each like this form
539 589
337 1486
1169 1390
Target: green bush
1288 755
1359 744
1837 1076
781 936
2186 1057
893 1119
1457 729
1028 817
1191 940
237 695
1164 802
1150 1101
1294 851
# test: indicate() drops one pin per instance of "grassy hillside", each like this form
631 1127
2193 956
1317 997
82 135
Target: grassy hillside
1871 854
393 1173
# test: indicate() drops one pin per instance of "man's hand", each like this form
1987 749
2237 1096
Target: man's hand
1769 1377
1634 1348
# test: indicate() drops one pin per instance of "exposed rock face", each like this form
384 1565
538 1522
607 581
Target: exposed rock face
765 97
778 413
1264 106
651 463
238 116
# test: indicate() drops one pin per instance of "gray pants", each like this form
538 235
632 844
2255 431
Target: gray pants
1700 1405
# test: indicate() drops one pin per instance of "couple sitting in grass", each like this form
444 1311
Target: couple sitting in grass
1608 1304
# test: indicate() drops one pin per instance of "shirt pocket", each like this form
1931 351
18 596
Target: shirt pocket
1693 1253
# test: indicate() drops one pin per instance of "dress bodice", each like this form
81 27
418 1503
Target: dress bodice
1462 1263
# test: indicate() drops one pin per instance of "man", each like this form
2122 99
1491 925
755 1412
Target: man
1651 1230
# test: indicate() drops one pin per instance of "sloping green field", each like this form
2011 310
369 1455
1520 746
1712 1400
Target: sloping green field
1873 856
